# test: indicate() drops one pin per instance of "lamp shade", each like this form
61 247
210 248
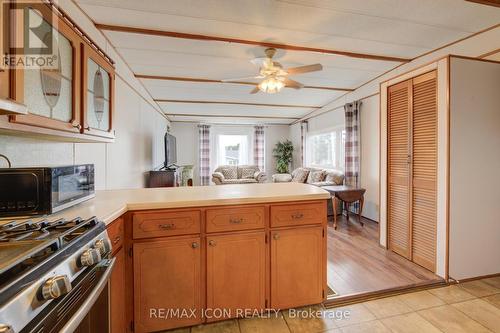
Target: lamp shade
271 85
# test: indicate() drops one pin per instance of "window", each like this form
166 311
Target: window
232 149
326 149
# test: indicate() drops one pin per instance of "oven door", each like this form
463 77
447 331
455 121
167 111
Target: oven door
71 185
85 309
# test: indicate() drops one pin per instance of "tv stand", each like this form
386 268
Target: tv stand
164 178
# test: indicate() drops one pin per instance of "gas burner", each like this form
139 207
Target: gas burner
29 248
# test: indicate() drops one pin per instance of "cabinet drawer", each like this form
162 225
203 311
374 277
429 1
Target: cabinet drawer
165 223
298 214
236 218
116 233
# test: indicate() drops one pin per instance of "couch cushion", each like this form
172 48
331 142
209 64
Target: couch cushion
239 181
323 183
316 176
229 172
300 175
334 176
247 173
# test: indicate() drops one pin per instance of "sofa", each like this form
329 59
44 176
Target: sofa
313 176
241 174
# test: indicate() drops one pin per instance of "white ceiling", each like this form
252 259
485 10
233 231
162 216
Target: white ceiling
396 28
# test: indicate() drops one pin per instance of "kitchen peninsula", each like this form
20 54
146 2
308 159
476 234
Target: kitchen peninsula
189 255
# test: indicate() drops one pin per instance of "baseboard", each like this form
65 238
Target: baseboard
475 278
342 300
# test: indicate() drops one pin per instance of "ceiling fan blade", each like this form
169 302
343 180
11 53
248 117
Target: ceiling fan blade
243 78
293 84
255 90
304 69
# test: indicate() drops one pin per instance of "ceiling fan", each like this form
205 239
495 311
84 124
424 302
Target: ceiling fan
274 76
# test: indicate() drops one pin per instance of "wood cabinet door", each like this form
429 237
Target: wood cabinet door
297 267
167 284
117 294
98 82
424 170
51 93
236 273
399 163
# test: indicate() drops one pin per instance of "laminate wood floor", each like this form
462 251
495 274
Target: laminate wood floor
357 264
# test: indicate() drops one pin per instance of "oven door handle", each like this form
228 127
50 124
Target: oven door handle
84 309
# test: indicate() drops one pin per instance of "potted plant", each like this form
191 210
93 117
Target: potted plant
283 154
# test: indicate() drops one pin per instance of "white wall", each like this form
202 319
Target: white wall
474 167
139 124
187 143
370 139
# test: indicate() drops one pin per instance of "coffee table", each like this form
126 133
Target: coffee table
348 195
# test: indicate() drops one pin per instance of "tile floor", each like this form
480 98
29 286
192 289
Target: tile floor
468 307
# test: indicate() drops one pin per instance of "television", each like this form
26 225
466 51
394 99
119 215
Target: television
170 151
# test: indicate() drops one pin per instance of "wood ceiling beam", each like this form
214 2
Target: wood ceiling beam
182 35
228 116
494 3
200 80
237 103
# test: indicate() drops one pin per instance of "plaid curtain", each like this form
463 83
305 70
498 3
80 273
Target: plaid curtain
258 147
204 154
352 145
303 134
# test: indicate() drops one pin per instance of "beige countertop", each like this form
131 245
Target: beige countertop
111 204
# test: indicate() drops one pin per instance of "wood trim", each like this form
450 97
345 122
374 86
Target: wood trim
487 54
337 301
201 80
448 168
226 116
182 35
477 278
494 3
228 124
62 14
474 58
89 53
237 103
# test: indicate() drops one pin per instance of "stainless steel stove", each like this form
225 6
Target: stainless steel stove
54 276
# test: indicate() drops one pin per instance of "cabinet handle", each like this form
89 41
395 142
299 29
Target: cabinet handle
297 216
236 221
276 236
212 243
194 245
116 239
168 226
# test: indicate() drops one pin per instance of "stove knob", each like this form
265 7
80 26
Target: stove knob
56 287
90 257
103 246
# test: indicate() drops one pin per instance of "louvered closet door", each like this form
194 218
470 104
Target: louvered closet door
399 110
424 171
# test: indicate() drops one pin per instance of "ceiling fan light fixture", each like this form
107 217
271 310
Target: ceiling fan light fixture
271 85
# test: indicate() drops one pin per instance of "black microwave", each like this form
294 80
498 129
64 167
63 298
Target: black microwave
41 191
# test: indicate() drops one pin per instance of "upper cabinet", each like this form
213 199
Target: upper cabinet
97 96
71 95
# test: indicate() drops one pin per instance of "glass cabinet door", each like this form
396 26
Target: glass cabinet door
98 94
50 91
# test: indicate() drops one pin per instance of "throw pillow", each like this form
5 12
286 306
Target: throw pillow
229 173
335 177
300 175
247 173
316 176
